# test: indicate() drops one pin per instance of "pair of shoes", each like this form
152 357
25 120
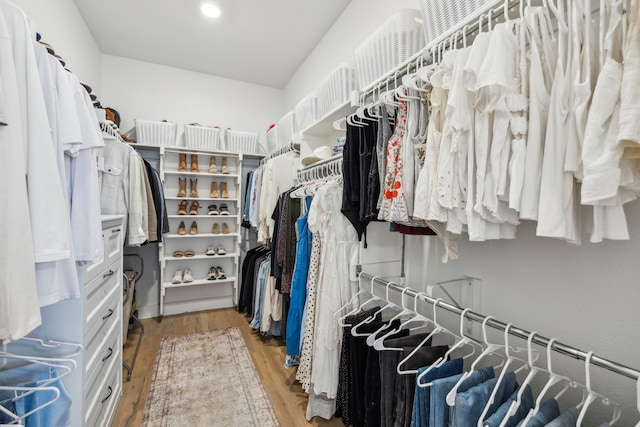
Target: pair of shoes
193 210
179 254
182 230
179 277
182 187
216 273
214 169
211 250
216 228
213 209
224 193
182 163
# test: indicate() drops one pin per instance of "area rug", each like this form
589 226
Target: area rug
206 379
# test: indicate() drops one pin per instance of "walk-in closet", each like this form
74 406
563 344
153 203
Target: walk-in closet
367 213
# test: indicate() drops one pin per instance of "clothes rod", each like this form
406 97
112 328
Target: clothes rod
290 147
515 331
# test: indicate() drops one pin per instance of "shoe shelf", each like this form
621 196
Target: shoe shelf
204 184
203 174
200 256
201 199
186 217
198 282
200 235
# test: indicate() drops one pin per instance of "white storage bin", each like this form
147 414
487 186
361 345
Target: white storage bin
307 111
202 137
241 142
438 16
286 129
391 45
272 138
336 89
149 132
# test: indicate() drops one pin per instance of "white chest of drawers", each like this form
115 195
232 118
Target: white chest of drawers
95 322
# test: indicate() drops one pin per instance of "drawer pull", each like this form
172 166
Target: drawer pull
108 355
108 315
117 230
108 396
108 274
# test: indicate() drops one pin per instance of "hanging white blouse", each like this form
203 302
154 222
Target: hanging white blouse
541 71
629 131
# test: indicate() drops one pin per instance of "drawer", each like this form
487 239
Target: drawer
104 390
99 350
100 330
110 405
112 243
96 294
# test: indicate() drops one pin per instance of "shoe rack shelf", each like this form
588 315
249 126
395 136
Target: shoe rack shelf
176 171
201 282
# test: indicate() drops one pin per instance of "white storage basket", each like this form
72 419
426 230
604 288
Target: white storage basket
241 142
335 90
149 132
391 45
202 137
307 111
286 129
272 138
438 16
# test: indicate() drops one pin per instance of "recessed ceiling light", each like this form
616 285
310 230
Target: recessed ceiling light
210 10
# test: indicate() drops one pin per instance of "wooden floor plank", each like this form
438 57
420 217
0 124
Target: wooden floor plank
286 395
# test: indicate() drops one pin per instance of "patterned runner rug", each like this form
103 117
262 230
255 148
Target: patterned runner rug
207 379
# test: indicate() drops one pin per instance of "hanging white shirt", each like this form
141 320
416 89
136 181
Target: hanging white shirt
46 199
19 314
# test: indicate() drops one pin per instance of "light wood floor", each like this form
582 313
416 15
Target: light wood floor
287 397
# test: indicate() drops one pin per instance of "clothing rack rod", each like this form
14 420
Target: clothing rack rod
290 147
557 346
325 168
322 162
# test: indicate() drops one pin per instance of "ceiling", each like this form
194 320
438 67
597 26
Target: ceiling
257 41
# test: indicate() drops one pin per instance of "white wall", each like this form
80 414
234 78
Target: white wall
141 90
61 25
358 21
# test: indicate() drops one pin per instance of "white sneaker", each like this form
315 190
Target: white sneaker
187 276
177 277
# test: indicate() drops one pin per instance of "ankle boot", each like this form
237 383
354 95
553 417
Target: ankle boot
225 169
194 163
182 187
194 187
216 228
194 228
193 210
182 229
212 165
182 207
225 228
182 163
214 190
223 190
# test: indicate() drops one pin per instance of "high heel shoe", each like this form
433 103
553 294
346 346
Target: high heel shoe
194 228
182 230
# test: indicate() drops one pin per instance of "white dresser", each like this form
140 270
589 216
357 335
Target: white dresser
95 321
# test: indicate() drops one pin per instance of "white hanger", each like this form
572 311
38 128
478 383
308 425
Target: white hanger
337 125
558 15
373 338
372 318
591 395
534 370
28 391
490 348
510 360
464 340
357 309
417 317
438 329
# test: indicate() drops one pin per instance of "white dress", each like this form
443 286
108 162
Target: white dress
340 249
